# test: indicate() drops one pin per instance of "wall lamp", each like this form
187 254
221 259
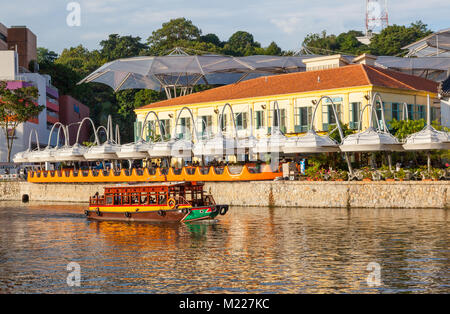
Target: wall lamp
216 111
264 107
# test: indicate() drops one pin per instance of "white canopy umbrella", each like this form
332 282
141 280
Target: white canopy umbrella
44 155
23 157
313 142
34 156
161 149
183 148
136 150
71 153
219 145
247 145
48 154
310 143
428 139
276 141
105 151
139 149
372 140
77 151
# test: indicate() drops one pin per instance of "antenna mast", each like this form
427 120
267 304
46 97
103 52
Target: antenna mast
376 16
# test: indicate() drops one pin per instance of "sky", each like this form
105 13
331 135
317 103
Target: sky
286 22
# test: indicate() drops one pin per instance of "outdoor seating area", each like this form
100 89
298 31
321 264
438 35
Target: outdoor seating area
208 159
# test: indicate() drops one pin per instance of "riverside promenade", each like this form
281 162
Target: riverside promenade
300 194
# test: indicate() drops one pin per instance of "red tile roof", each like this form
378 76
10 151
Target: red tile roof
343 77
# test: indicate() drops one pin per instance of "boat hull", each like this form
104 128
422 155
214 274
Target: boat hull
187 214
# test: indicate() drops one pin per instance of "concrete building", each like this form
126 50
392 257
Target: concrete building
24 41
349 85
71 112
3 37
48 97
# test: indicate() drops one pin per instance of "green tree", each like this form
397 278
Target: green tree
273 50
402 128
391 39
80 60
171 34
343 43
241 44
212 39
117 47
16 107
45 56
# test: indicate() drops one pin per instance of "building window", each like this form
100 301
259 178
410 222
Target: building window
329 118
355 111
282 120
411 112
185 124
259 119
303 118
205 125
435 114
421 112
165 127
224 123
151 130
137 130
396 110
241 120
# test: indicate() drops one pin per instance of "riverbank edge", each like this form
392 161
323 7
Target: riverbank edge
305 194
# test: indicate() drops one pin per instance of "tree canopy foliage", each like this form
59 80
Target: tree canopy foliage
16 107
388 42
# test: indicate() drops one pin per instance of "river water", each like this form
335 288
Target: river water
249 250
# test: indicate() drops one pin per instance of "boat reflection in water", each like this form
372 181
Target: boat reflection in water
250 250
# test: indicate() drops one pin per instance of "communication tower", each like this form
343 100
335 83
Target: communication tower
376 16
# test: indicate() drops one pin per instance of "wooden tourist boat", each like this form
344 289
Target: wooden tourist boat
171 202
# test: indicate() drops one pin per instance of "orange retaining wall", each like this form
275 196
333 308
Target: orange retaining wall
87 176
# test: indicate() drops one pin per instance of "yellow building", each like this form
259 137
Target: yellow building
350 86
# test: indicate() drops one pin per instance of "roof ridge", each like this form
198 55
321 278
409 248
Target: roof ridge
369 82
391 77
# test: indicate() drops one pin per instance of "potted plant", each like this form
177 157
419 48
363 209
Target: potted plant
436 174
342 175
388 175
400 175
334 175
425 174
366 174
313 172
